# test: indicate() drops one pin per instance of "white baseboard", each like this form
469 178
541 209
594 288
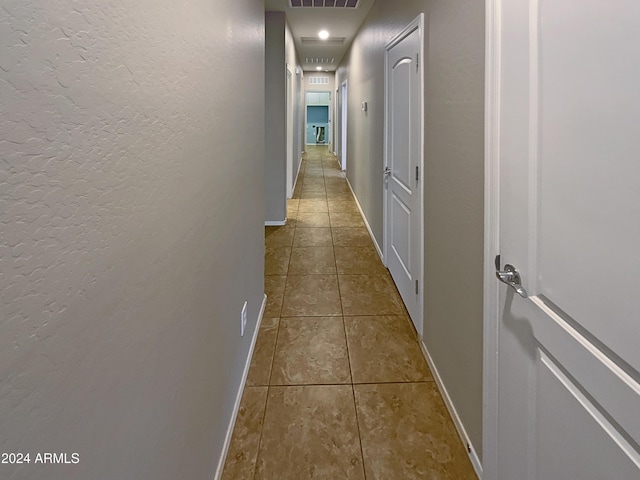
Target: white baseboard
236 406
473 456
366 223
276 223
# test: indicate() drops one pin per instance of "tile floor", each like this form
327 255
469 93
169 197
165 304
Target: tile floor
338 387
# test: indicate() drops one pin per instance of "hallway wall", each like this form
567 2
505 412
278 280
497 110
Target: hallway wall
454 176
280 52
131 231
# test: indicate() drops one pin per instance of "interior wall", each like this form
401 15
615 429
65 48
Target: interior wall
298 105
280 52
275 119
131 231
453 210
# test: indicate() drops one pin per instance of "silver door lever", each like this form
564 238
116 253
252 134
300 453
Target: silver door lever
511 277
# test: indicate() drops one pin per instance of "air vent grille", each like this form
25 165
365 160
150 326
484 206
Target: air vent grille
318 80
325 3
320 60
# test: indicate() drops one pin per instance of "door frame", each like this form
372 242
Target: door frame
329 141
491 320
344 91
289 137
417 23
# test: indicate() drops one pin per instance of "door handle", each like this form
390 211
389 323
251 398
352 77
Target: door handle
387 171
511 277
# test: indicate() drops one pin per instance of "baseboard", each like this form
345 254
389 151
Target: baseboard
366 223
236 406
276 223
473 456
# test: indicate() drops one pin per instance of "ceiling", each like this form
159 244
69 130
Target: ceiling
305 22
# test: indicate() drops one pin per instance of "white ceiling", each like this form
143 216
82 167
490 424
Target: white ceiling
341 23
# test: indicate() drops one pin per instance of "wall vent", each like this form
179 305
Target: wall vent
325 3
318 80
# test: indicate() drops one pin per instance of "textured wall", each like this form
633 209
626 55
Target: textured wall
131 213
280 53
275 118
454 175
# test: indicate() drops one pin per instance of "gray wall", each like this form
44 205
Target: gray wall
275 118
280 52
131 231
454 98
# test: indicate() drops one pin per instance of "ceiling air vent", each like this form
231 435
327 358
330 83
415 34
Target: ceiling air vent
325 3
318 80
320 60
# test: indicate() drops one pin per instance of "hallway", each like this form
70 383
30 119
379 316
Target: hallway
338 387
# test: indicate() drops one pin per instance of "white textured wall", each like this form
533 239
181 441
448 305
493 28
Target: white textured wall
454 175
131 213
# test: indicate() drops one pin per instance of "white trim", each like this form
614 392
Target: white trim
417 23
275 223
236 406
457 421
491 240
344 116
366 223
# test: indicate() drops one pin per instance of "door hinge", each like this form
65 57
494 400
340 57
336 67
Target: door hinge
416 287
417 173
417 61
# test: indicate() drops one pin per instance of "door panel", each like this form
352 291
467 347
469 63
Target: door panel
568 370
403 155
401 234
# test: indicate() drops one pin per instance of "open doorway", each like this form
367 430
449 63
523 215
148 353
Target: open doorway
318 118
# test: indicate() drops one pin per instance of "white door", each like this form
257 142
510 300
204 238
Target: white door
403 165
567 131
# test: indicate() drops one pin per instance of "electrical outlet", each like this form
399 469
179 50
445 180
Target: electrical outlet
243 319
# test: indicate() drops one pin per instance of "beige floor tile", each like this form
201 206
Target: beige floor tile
312 260
311 351
310 432
351 237
313 194
312 237
278 236
311 296
369 295
243 449
274 305
407 434
312 219
338 189
260 368
274 284
359 260
276 260
292 205
346 219
274 289
384 349
342 206
313 205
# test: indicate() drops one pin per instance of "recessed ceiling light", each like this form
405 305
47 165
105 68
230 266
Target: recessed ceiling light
318 68
323 34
